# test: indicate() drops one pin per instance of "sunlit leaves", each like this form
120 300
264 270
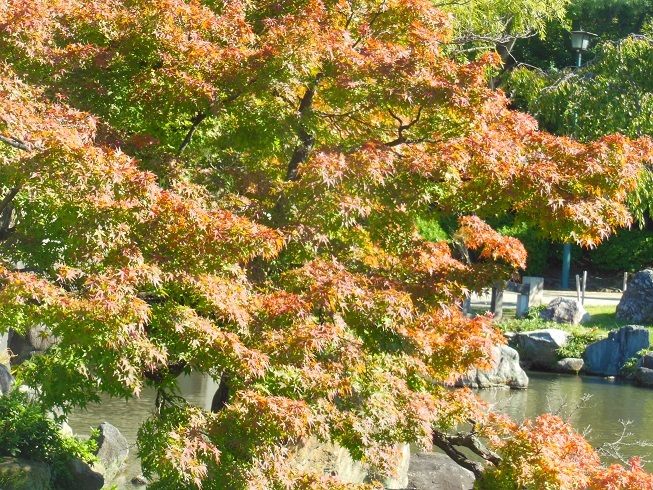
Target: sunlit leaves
233 188
548 453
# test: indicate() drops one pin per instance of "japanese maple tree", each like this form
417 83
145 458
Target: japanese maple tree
232 188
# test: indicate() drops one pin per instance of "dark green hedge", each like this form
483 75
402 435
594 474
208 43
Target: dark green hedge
627 251
538 248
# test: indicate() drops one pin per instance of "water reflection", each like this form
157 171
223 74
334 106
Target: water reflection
128 416
609 402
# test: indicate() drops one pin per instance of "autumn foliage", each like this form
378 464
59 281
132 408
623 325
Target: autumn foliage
232 188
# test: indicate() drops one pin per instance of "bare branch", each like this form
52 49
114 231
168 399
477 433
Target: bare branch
18 143
196 121
613 449
448 444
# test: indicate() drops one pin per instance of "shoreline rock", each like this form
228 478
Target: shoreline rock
507 372
538 349
606 357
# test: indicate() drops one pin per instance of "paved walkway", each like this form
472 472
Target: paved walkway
592 298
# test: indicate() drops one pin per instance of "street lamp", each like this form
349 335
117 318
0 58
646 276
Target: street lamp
580 41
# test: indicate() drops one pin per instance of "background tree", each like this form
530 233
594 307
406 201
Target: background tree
611 20
232 188
611 94
482 25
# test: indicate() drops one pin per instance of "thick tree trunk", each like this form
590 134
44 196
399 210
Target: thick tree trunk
221 396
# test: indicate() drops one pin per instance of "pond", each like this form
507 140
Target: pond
610 401
595 406
128 416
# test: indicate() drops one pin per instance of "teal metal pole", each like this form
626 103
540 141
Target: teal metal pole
566 247
566 262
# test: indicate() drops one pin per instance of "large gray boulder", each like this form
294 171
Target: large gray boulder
636 304
538 348
606 357
6 380
332 459
437 471
36 340
113 450
644 377
565 310
506 373
21 474
83 476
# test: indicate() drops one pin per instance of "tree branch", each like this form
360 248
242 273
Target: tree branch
200 116
221 396
18 143
303 150
196 121
6 201
469 440
375 16
403 127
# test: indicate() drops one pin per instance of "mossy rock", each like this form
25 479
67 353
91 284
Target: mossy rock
21 474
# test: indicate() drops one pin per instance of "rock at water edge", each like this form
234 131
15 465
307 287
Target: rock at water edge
113 449
506 373
570 365
84 476
538 349
437 471
644 377
606 357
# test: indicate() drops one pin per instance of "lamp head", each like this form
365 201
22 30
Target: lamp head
580 40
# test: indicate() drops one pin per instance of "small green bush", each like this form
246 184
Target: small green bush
533 312
430 229
27 432
578 342
526 324
630 366
628 251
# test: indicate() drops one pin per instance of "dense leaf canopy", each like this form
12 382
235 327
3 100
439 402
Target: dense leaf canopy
232 188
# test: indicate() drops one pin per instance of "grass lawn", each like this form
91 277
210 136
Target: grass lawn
603 318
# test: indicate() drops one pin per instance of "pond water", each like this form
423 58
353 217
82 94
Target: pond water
610 401
128 416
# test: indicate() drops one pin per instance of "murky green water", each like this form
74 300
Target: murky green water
610 402
127 416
